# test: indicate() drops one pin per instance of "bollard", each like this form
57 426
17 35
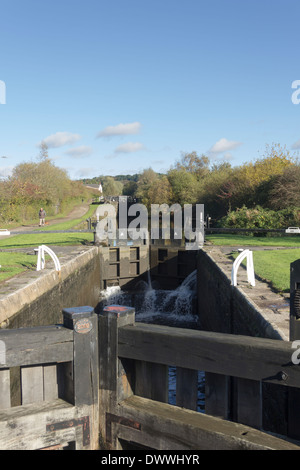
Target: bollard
83 321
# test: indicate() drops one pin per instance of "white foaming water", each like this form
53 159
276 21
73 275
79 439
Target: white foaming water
170 307
155 304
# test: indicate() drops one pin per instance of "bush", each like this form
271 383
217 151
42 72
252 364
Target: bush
261 218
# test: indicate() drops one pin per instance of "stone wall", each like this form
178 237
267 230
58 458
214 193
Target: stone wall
238 310
39 297
246 311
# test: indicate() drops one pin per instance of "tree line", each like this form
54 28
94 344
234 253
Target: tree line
33 185
262 193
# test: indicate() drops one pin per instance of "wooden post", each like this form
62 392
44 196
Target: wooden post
115 375
85 370
294 393
83 321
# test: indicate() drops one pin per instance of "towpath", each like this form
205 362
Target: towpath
77 212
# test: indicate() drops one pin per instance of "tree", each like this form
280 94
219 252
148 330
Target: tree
112 187
144 183
285 191
191 162
160 191
251 183
185 187
129 188
217 189
43 151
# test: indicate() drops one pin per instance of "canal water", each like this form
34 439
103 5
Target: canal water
165 307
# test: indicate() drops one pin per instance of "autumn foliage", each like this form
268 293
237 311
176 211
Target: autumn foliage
33 185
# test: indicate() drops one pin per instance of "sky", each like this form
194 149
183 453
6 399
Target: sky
115 87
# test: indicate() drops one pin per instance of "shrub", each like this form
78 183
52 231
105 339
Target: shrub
261 218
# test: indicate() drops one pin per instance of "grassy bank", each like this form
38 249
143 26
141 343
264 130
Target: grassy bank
13 263
273 267
244 240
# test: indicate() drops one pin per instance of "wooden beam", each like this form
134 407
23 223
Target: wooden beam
167 427
247 357
38 345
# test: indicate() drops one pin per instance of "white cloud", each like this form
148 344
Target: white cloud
6 171
84 172
120 129
60 139
296 145
129 147
83 151
224 145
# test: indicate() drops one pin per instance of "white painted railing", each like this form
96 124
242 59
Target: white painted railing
250 267
41 258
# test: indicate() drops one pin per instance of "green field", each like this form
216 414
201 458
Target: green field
13 263
244 240
273 266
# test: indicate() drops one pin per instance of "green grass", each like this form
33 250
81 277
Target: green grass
66 210
71 224
13 263
273 266
244 240
62 239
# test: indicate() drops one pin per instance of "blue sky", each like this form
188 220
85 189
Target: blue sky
115 87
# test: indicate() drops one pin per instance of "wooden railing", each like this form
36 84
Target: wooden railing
134 388
101 381
49 384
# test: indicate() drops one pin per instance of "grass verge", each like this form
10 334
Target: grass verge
273 267
13 263
244 240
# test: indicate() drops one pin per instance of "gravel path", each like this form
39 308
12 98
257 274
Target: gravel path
75 213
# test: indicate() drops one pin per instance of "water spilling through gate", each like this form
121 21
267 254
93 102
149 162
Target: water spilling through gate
173 307
169 307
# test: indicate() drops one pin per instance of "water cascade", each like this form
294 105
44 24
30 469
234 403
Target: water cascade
169 307
173 307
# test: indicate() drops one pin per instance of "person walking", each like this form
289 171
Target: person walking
42 215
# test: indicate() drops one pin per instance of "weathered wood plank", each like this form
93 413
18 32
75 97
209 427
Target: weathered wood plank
113 378
167 427
201 350
5 398
40 345
50 382
186 388
152 381
249 403
217 395
32 384
37 426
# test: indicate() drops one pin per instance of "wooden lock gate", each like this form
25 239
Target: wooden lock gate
100 381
